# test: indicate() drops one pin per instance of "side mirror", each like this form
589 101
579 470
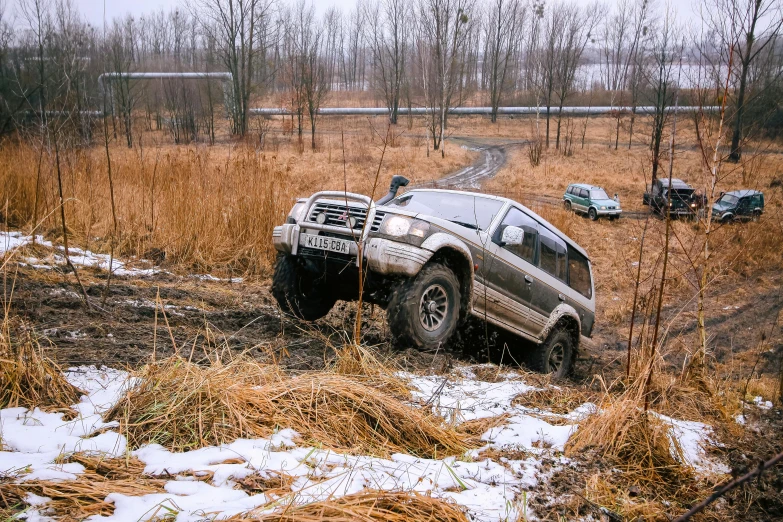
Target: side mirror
512 236
721 194
616 197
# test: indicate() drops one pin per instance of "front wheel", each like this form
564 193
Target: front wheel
592 214
299 293
424 310
556 355
755 217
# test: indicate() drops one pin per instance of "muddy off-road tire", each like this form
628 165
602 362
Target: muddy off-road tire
556 355
424 311
298 293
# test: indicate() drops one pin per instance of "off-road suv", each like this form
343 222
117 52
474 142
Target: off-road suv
433 258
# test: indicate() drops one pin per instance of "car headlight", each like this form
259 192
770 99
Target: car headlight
296 213
399 226
693 205
395 226
603 207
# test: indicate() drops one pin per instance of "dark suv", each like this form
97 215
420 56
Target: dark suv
432 258
739 205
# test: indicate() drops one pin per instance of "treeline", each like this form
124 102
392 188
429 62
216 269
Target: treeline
409 53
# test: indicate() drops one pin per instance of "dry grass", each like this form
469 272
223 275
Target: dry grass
369 506
557 399
636 441
73 500
185 406
195 207
27 377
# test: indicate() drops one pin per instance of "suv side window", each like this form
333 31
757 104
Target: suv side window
570 190
552 257
517 218
579 273
756 201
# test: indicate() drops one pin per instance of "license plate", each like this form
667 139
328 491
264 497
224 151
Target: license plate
330 244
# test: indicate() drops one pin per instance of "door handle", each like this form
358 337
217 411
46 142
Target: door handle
561 297
528 279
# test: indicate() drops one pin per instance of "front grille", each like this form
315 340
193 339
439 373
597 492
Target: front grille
337 215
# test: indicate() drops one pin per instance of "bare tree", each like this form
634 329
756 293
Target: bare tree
577 27
389 33
442 34
662 73
503 20
233 24
621 37
748 28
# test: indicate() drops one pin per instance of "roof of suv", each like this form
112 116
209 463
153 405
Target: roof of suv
538 218
744 192
676 183
584 186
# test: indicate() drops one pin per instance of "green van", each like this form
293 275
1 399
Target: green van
592 201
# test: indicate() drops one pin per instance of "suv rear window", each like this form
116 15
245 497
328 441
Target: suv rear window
579 273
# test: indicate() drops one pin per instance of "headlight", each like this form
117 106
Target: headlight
693 205
395 226
296 213
603 208
419 229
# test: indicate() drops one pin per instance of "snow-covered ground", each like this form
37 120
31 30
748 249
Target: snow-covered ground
10 241
488 489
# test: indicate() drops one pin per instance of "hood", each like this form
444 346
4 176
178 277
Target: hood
721 207
605 203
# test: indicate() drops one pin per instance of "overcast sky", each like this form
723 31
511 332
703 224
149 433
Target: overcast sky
94 9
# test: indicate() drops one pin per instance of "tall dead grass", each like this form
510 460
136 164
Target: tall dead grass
184 406
196 207
27 377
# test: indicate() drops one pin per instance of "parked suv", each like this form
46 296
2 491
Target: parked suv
433 258
679 197
739 205
592 201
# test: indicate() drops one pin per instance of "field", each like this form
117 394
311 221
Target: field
283 420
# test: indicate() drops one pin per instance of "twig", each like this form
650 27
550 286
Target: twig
729 486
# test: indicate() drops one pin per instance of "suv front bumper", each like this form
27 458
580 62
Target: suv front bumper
381 255
608 212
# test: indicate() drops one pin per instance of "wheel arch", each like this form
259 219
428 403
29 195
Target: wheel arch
564 316
459 261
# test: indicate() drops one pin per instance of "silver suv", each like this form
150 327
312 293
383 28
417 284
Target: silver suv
432 258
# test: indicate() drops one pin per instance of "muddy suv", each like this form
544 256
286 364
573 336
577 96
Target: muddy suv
432 258
739 205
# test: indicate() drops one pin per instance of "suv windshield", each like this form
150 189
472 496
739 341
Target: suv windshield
598 194
464 209
728 200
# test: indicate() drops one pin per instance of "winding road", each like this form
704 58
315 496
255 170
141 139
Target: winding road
493 155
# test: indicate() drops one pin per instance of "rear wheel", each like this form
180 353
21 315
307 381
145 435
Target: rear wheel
567 205
299 293
556 355
592 214
424 310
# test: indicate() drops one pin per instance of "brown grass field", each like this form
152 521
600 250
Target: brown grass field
210 209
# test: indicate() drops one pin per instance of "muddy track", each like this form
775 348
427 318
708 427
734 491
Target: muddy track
493 155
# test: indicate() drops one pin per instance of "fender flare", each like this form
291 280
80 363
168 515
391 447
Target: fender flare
560 311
